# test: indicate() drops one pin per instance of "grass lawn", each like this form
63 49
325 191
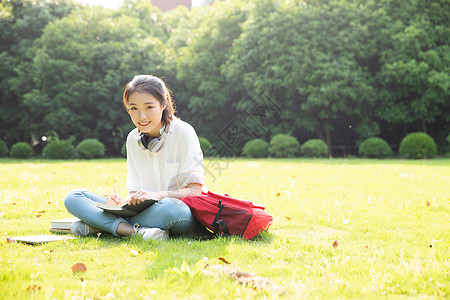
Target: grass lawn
390 219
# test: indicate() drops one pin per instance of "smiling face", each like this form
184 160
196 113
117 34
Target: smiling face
146 113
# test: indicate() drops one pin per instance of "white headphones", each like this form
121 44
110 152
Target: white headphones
151 143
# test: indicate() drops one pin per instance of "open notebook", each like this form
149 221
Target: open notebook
126 210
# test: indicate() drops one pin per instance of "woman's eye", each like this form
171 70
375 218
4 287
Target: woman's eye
133 108
149 107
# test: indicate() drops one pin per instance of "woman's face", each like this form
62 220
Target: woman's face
146 113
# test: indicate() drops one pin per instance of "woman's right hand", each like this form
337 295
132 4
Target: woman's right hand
114 200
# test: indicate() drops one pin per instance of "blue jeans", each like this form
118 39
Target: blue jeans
169 213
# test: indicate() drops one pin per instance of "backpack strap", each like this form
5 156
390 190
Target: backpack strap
220 224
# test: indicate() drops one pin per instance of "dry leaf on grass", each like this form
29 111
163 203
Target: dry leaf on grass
33 288
428 203
335 244
78 268
278 194
222 259
245 278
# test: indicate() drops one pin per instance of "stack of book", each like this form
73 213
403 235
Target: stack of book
62 225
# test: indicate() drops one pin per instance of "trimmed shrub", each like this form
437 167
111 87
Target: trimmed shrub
3 149
314 148
123 151
418 145
206 146
283 145
448 139
256 148
374 147
91 148
59 150
21 150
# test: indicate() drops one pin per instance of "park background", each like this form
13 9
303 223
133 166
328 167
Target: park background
342 71
339 71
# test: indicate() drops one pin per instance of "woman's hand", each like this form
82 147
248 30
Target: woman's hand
114 200
140 196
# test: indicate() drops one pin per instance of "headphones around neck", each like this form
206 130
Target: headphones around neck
154 144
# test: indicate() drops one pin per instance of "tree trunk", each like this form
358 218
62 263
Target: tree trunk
328 141
324 136
423 124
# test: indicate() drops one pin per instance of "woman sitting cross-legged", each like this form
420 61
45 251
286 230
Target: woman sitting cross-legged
164 162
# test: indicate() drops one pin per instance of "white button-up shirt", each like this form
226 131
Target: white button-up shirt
177 164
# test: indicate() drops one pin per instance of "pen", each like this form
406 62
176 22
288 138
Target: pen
115 190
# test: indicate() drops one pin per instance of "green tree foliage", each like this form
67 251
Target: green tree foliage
308 58
207 93
21 22
78 73
239 69
415 62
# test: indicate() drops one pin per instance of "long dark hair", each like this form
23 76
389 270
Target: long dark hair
155 87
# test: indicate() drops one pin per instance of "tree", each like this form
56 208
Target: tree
207 93
309 57
80 66
414 78
22 21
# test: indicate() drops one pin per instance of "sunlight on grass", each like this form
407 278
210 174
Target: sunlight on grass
391 242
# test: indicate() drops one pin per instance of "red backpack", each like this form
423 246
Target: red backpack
228 216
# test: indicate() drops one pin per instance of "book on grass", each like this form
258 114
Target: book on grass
127 210
38 239
62 225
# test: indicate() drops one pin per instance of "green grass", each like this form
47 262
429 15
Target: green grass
391 244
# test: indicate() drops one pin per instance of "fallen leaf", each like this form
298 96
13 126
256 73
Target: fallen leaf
33 288
428 203
224 260
278 194
49 202
78 267
14 203
41 212
287 217
335 244
38 216
10 240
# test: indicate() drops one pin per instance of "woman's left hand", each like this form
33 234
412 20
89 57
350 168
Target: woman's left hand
140 196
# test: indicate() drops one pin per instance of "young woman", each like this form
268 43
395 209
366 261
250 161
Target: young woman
164 162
